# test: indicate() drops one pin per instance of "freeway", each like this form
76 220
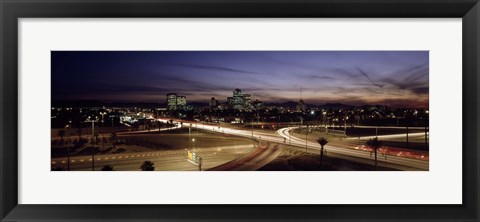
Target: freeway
255 160
394 161
391 136
386 127
174 160
358 155
261 160
178 126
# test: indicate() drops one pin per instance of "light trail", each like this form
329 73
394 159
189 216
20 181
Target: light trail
284 135
414 163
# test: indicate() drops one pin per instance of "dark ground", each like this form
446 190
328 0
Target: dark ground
310 162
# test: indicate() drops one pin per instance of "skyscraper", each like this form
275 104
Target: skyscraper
175 102
171 101
239 100
181 102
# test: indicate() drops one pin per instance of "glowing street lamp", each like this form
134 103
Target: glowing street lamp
324 123
103 114
93 121
345 122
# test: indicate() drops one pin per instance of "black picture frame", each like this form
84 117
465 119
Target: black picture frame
11 11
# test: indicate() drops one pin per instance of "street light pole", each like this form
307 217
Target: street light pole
407 137
290 134
93 124
193 144
290 137
251 123
323 119
103 114
426 136
68 158
306 141
93 135
190 132
426 126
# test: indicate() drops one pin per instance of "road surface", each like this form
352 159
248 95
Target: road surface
396 162
283 134
253 161
175 160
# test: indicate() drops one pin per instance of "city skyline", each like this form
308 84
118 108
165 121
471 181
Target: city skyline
394 78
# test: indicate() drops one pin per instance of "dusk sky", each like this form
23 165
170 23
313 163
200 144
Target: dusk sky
395 78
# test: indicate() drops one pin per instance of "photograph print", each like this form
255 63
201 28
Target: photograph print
239 111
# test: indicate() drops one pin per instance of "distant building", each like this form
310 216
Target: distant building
239 100
257 104
175 102
301 106
247 101
181 102
230 102
213 103
171 101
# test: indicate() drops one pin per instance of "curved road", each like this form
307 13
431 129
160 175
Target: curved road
396 162
283 134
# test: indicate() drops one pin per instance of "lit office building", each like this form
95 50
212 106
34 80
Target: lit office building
247 101
171 101
181 102
239 100
175 102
